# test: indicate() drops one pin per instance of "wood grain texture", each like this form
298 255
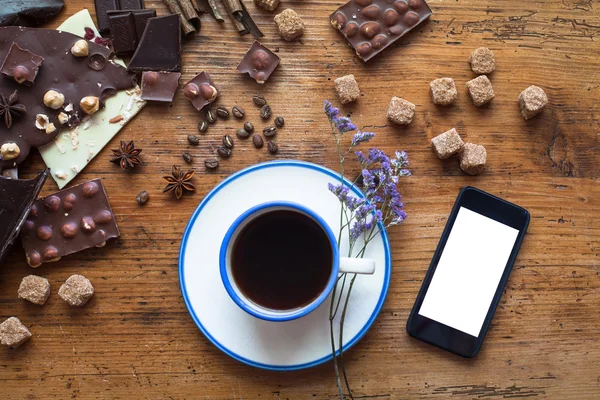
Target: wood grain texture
136 340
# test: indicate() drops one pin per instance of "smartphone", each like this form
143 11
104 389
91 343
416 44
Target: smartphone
468 272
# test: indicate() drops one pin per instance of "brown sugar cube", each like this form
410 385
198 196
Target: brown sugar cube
400 111
268 5
447 144
532 101
76 291
443 91
34 289
472 158
289 24
346 88
481 90
13 333
482 61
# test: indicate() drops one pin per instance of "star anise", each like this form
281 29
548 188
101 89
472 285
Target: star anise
179 181
9 108
126 156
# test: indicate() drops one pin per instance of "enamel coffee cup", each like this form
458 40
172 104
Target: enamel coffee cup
338 264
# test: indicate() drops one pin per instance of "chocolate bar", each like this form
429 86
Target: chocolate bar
201 91
122 33
104 6
21 65
73 77
159 86
160 46
258 62
16 199
372 25
140 18
68 221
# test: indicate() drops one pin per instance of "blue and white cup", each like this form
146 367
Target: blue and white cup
340 264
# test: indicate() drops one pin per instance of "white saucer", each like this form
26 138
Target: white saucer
282 346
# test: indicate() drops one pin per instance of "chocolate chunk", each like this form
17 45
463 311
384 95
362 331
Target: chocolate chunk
258 62
28 13
104 6
372 25
159 86
86 221
16 199
21 65
63 72
201 91
122 33
160 46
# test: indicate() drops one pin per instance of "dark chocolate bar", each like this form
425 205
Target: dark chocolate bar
159 86
140 18
104 6
68 221
75 77
122 33
258 62
21 65
201 91
16 198
372 25
160 46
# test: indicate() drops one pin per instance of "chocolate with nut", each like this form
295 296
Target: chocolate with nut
21 64
73 76
159 86
68 221
372 25
258 62
201 91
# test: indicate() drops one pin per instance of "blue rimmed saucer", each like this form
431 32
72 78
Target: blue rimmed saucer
282 346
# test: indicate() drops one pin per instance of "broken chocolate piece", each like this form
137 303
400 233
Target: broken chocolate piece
21 65
159 86
74 79
201 91
140 18
258 62
16 198
68 221
371 26
28 12
104 6
122 33
160 46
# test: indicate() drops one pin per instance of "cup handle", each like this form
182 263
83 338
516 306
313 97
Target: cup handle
357 265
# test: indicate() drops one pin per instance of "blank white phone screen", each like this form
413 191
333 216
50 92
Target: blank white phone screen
468 272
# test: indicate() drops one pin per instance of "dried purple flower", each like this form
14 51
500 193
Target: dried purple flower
331 111
361 137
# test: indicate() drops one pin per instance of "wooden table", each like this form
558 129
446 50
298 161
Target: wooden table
136 340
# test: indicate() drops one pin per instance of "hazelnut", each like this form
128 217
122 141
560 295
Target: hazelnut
89 104
63 118
20 73
9 151
80 48
69 107
50 128
54 99
209 92
41 121
190 91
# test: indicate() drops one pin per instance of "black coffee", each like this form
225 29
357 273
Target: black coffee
282 260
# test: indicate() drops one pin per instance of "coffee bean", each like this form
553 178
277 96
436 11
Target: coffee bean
248 126
224 152
211 163
238 112
142 197
187 157
202 126
193 140
242 133
272 146
259 100
265 112
228 141
270 131
258 141
222 113
210 116
279 121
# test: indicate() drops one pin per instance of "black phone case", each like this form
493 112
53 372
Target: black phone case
475 343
